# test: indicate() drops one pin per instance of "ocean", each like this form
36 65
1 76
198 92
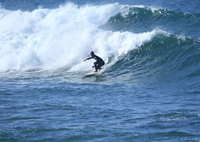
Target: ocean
148 89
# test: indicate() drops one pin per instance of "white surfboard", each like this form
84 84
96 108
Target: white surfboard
91 73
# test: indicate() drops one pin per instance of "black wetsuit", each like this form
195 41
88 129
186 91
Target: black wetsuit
99 62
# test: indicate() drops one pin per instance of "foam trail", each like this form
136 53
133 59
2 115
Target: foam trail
62 37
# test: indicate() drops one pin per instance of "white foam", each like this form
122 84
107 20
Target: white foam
62 37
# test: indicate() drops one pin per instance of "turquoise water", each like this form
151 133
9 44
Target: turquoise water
148 89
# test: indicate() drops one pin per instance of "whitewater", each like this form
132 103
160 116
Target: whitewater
148 89
63 37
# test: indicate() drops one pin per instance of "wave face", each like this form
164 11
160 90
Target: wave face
165 57
172 52
134 40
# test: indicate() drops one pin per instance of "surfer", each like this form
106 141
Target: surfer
99 62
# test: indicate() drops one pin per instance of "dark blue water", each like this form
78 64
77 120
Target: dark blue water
148 90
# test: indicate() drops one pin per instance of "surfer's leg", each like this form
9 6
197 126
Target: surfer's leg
96 66
100 65
96 69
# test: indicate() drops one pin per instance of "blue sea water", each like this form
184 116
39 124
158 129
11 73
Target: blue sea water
148 90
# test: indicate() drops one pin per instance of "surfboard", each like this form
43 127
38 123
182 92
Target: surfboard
91 73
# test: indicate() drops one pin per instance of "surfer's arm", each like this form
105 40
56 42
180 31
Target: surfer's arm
88 58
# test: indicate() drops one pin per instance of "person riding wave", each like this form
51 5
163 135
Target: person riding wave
99 62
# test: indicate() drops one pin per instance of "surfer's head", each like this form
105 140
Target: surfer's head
92 53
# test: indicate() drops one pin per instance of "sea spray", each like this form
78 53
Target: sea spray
62 37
